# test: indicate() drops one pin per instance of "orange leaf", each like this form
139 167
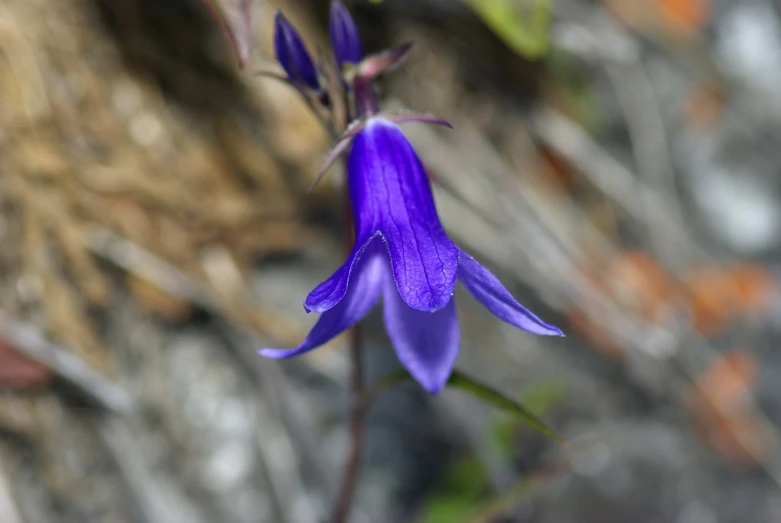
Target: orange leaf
639 283
710 301
754 288
717 295
676 18
687 16
596 334
720 400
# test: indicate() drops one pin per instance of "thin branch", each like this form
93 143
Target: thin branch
32 343
9 512
142 483
357 429
358 405
143 264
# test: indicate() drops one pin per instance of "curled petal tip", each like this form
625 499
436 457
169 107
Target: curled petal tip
434 389
554 331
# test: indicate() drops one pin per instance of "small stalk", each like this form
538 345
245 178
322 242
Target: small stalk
357 403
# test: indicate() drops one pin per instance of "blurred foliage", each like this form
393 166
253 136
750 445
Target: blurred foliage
523 25
497 399
466 481
462 491
570 89
542 396
538 397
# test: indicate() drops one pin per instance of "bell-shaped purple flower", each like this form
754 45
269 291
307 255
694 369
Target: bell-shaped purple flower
345 39
403 255
292 54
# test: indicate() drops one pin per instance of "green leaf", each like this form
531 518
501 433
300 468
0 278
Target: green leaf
499 400
538 397
523 25
461 492
482 392
446 509
544 395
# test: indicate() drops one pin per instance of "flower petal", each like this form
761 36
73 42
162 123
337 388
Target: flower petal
390 193
426 342
331 291
489 291
369 273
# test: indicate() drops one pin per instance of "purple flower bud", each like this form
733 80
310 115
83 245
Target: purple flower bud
292 54
403 255
345 40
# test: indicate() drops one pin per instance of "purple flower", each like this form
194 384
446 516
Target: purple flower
292 54
403 255
345 39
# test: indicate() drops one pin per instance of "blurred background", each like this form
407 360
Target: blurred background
615 162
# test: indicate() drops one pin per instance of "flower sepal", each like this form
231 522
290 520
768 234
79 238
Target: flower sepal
234 18
343 144
374 65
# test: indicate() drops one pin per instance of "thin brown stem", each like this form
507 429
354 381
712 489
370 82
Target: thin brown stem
357 429
357 391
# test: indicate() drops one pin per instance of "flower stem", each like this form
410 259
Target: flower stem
357 426
357 403
366 102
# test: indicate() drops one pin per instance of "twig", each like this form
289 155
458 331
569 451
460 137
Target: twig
147 266
33 344
357 429
134 259
655 348
141 482
9 513
281 395
358 405
141 263
527 486
648 139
